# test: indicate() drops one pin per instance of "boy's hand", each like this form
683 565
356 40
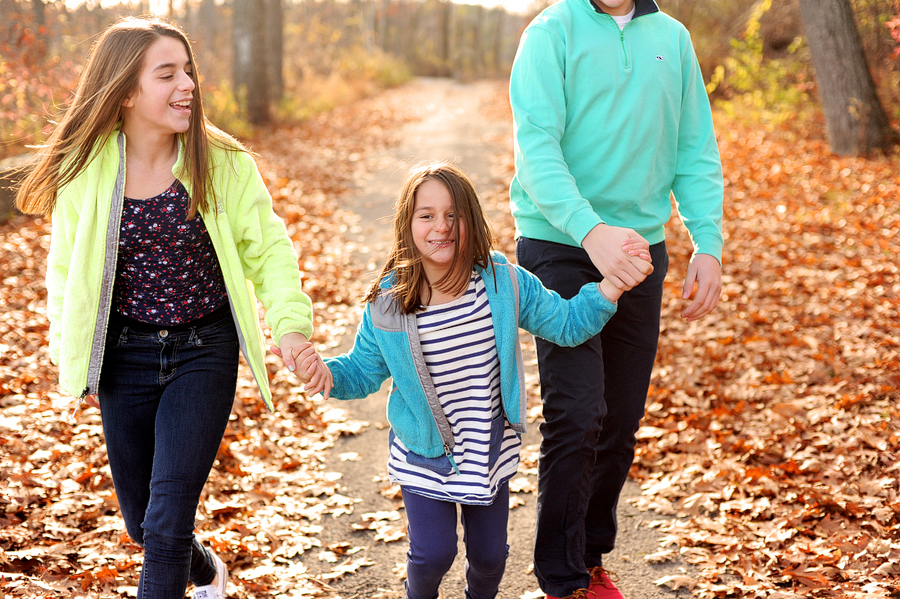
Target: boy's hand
301 358
705 273
604 245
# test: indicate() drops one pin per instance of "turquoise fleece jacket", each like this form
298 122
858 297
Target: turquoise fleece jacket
256 256
387 345
607 123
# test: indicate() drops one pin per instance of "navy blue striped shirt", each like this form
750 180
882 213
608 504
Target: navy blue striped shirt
457 340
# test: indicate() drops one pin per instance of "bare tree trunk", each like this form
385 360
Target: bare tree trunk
275 50
380 22
250 61
40 20
445 20
209 23
478 46
857 123
368 23
40 14
497 63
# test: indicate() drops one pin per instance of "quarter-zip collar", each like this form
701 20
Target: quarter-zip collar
641 7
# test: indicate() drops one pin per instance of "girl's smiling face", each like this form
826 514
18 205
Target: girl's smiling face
434 229
162 100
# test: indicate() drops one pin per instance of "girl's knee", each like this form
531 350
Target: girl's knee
135 532
437 558
488 560
167 549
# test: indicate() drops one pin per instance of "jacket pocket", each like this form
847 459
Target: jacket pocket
439 465
498 430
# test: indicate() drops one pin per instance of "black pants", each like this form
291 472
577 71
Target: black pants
593 400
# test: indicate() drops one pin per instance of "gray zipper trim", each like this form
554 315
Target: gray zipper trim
434 403
520 366
386 318
242 341
98 344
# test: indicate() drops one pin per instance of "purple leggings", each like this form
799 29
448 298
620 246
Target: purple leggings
433 541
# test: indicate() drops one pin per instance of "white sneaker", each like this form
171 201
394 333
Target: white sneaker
214 591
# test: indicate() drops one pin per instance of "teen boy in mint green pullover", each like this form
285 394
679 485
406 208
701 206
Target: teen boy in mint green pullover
611 117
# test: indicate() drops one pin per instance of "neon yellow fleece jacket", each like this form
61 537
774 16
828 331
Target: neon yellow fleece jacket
250 240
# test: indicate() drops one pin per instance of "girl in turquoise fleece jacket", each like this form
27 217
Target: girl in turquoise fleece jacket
442 320
152 281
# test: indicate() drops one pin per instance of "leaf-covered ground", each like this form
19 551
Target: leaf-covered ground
773 426
60 532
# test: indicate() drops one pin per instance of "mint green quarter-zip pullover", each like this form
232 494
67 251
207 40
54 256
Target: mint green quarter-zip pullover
608 123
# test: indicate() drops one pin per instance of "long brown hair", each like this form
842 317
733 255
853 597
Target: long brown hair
110 75
404 263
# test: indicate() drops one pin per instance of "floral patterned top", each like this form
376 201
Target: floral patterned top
167 271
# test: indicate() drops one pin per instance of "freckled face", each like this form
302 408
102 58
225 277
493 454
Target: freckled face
432 228
162 101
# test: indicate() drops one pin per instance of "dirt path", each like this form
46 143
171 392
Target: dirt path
454 126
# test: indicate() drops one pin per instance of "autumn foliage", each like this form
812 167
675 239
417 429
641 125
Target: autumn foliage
33 84
773 429
773 426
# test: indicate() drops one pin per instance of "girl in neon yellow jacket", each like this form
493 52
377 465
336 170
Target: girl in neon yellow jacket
163 236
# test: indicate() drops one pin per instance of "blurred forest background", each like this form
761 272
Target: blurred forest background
773 428
283 60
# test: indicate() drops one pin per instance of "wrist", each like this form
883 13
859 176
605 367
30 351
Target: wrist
595 231
609 291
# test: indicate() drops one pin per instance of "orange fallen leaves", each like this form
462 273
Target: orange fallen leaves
60 532
772 429
772 425
792 384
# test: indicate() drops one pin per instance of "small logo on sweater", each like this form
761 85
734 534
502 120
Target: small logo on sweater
658 57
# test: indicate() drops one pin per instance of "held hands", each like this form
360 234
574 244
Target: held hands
638 253
301 358
605 244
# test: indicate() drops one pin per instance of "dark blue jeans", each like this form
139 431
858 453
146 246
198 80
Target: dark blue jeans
165 398
593 400
432 544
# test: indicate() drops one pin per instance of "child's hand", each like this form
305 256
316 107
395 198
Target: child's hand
301 358
639 250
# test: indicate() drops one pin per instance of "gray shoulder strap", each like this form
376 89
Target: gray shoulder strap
384 316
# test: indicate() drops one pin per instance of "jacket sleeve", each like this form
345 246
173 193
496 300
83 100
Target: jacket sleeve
698 185
63 226
362 370
543 313
537 97
267 254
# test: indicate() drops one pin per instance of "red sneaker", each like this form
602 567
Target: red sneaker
603 584
579 594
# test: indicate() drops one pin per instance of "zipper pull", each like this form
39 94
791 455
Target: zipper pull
449 455
79 405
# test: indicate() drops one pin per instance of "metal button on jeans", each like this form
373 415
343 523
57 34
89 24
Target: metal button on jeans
164 333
